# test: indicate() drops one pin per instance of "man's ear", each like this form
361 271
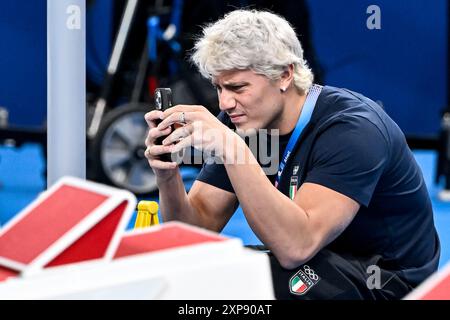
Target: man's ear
287 78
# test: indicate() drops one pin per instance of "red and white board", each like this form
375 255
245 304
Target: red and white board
74 220
166 236
436 287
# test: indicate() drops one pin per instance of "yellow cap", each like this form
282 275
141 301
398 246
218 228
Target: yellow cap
150 206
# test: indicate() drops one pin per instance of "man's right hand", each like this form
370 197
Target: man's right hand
162 169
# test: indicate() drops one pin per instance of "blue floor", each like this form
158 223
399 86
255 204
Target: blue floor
21 180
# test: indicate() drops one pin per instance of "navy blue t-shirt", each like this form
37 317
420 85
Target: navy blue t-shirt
353 147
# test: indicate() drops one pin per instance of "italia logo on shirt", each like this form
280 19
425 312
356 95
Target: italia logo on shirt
293 185
303 280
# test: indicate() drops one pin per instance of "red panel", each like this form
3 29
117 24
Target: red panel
47 222
440 292
167 237
95 242
152 85
6 273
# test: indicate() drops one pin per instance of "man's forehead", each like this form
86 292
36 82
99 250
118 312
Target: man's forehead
233 76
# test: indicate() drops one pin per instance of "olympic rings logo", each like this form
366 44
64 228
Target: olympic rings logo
310 273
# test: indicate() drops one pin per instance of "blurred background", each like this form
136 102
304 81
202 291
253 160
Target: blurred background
401 62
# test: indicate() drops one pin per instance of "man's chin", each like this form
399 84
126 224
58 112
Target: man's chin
246 129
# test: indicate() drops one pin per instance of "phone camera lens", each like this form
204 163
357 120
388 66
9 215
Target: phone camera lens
158 100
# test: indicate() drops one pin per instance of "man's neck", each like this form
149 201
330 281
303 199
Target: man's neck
292 110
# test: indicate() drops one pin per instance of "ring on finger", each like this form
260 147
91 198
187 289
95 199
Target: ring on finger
183 118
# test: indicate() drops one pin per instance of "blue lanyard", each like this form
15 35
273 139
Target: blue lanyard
302 122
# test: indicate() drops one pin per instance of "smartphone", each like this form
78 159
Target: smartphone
163 100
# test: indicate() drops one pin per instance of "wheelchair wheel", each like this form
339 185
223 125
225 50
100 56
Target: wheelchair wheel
117 152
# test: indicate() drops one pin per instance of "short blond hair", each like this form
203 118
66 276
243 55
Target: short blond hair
249 39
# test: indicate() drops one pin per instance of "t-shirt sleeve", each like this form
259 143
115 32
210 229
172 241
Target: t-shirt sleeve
213 172
349 157
216 175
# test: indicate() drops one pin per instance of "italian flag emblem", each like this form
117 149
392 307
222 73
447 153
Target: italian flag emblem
293 187
300 283
298 286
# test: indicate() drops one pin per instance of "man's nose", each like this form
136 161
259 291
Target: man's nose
226 100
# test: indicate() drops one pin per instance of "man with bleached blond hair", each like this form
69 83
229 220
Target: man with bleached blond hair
346 216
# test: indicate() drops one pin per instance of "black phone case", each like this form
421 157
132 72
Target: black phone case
163 100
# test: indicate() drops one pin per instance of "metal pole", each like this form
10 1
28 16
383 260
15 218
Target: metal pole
122 36
66 89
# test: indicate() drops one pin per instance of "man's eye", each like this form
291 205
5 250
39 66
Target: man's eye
237 88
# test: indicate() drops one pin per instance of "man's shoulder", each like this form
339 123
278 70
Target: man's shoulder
335 101
338 104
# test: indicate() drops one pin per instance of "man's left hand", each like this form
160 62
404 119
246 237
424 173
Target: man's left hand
200 129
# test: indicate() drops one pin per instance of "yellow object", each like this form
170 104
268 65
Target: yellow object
147 214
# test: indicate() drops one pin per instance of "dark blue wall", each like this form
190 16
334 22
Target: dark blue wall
23 55
403 64
99 37
23 60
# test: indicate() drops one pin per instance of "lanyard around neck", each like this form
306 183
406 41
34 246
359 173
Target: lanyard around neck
302 122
